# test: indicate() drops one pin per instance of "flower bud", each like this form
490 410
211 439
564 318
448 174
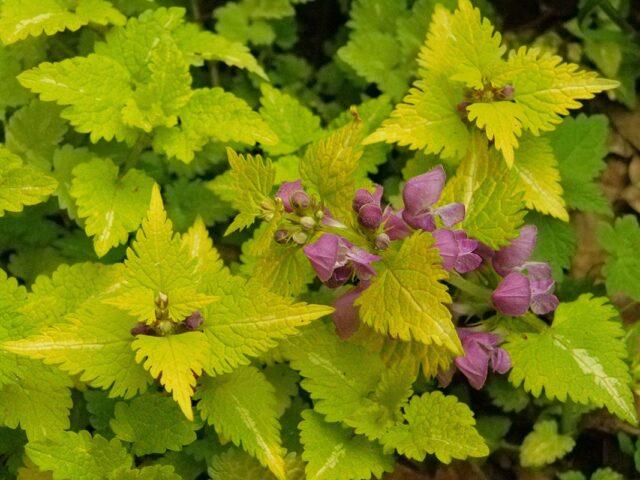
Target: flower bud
281 236
193 321
162 301
370 216
307 223
165 327
319 214
382 241
361 198
300 238
507 92
300 200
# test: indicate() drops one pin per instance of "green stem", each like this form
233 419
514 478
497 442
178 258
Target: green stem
134 155
481 293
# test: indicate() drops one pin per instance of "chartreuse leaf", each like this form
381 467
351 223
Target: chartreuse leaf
205 45
241 405
568 360
580 145
283 269
329 165
501 123
34 131
439 425
21 184
234 464
489 192
545 88
251 181
93 89
248 320
622 267
159 264
176 361
349 383
427 119
33 396
152 423
462 46
463 74
544 445
68 287
539 178
396 31
79 456
212 114
22 18
430 358
153 472
293 123
332 452
406 299
111 205
94 342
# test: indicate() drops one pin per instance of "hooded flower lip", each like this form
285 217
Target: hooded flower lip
420 193
457 250
513 295
335 260
516 253
292 194
481 350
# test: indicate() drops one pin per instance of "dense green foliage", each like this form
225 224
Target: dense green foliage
239 244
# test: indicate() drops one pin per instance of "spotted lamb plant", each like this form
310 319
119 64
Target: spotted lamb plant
342 326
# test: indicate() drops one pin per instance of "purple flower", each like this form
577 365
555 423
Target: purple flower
516 253
532 287
345 317
457 251
293 196
480 350
394 225
526 285
420 194
336 260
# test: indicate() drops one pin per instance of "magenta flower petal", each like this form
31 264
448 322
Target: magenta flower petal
500 361
448 247
323 255
474 365
286 190
518 252
345 318
481 348
193 321
340 276
362 260
456 250
370 216
421 192
544 303
451 213
394 225
422 221
513 295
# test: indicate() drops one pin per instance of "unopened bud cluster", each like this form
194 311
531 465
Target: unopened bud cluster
483 95
164 324
303 214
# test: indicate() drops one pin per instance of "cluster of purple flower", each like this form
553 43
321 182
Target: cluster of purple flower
524 285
